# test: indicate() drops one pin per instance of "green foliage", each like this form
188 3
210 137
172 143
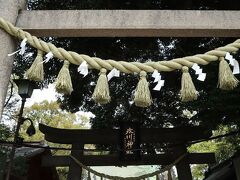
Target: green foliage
50 113
223 148
5 133
62 173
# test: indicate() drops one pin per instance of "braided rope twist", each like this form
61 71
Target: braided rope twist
123 66
129 178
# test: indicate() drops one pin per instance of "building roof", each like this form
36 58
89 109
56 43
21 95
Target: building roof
225 170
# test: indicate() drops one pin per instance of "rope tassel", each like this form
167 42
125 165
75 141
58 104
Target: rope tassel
142 96
226 79
36 72
101 92
64 82
188 91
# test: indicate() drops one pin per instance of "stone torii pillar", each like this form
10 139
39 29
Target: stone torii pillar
9 10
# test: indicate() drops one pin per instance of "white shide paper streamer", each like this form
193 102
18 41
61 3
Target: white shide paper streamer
113 73
199 72
233 62
157 78
22 48
83 68
48 56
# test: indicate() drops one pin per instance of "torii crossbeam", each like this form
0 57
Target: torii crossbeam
77 138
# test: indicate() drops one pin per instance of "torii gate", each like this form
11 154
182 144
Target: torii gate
79 137
109 23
